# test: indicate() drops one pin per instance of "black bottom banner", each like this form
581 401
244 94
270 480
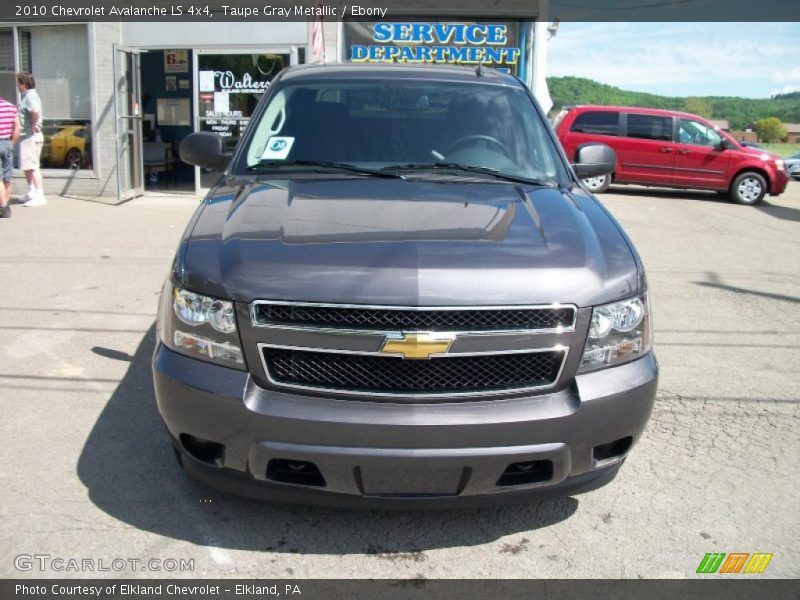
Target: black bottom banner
389 589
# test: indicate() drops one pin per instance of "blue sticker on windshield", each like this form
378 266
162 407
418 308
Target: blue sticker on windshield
278 148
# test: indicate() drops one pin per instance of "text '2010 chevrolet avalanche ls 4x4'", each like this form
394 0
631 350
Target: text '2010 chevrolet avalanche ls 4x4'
398 294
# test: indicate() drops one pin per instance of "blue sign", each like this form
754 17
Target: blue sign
457 43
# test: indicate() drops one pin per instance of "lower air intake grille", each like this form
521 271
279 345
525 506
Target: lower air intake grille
366 374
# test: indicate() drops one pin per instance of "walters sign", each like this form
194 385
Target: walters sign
468 43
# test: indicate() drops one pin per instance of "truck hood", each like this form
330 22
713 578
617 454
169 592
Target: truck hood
406 243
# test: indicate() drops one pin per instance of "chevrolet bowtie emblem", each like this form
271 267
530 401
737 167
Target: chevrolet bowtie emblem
418 345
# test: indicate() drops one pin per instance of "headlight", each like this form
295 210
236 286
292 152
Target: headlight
190 308
779 164
221 316
200 326
619 332
194 309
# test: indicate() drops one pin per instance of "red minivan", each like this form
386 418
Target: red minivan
670 149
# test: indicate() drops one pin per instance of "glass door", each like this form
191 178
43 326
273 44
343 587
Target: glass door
127 90
229 86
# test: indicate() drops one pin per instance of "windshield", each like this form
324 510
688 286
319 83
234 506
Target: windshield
408 126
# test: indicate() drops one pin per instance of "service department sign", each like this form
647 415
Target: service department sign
491 44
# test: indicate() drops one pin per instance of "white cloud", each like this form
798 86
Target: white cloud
786 75
786 89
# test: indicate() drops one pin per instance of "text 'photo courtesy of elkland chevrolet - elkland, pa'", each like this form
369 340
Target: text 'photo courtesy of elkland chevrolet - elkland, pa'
400 300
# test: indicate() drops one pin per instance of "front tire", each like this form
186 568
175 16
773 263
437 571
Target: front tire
597 185
748 188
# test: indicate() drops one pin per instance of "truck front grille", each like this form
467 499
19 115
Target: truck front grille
414 319
378 375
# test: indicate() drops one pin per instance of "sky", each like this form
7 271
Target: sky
753 60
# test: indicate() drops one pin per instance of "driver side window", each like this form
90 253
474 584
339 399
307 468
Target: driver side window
698 134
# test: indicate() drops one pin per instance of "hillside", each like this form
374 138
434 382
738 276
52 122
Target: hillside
738 111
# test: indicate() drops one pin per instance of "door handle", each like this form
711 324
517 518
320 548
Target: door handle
684 151
665 149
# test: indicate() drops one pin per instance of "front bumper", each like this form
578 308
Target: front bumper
399 455
778 182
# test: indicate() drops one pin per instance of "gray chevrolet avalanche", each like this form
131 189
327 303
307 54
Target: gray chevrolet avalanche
399 294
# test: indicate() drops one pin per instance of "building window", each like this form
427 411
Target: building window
230 86
8 87
58 58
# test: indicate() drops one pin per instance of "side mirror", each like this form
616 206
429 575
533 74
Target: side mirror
723 144
204 149
594 160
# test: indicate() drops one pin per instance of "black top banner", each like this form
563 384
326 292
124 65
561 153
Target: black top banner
15 11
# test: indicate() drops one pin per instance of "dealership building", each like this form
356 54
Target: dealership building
118 97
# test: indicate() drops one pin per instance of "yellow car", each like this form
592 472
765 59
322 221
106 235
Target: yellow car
68 147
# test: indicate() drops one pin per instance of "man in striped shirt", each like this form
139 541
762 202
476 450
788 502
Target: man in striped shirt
9 132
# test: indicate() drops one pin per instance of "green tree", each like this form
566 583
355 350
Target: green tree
697 106
770 130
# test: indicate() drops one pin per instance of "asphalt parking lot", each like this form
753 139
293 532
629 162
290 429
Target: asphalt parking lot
87 471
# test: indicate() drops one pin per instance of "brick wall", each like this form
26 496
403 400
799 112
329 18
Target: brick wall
744 136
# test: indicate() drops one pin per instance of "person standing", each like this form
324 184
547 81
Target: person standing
9 132
30 146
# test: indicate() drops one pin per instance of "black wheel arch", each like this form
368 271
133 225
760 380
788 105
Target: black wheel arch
756 170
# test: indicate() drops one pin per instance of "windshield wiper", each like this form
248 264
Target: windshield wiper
321 164
468 168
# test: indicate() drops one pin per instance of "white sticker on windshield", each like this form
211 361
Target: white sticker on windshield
278 147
